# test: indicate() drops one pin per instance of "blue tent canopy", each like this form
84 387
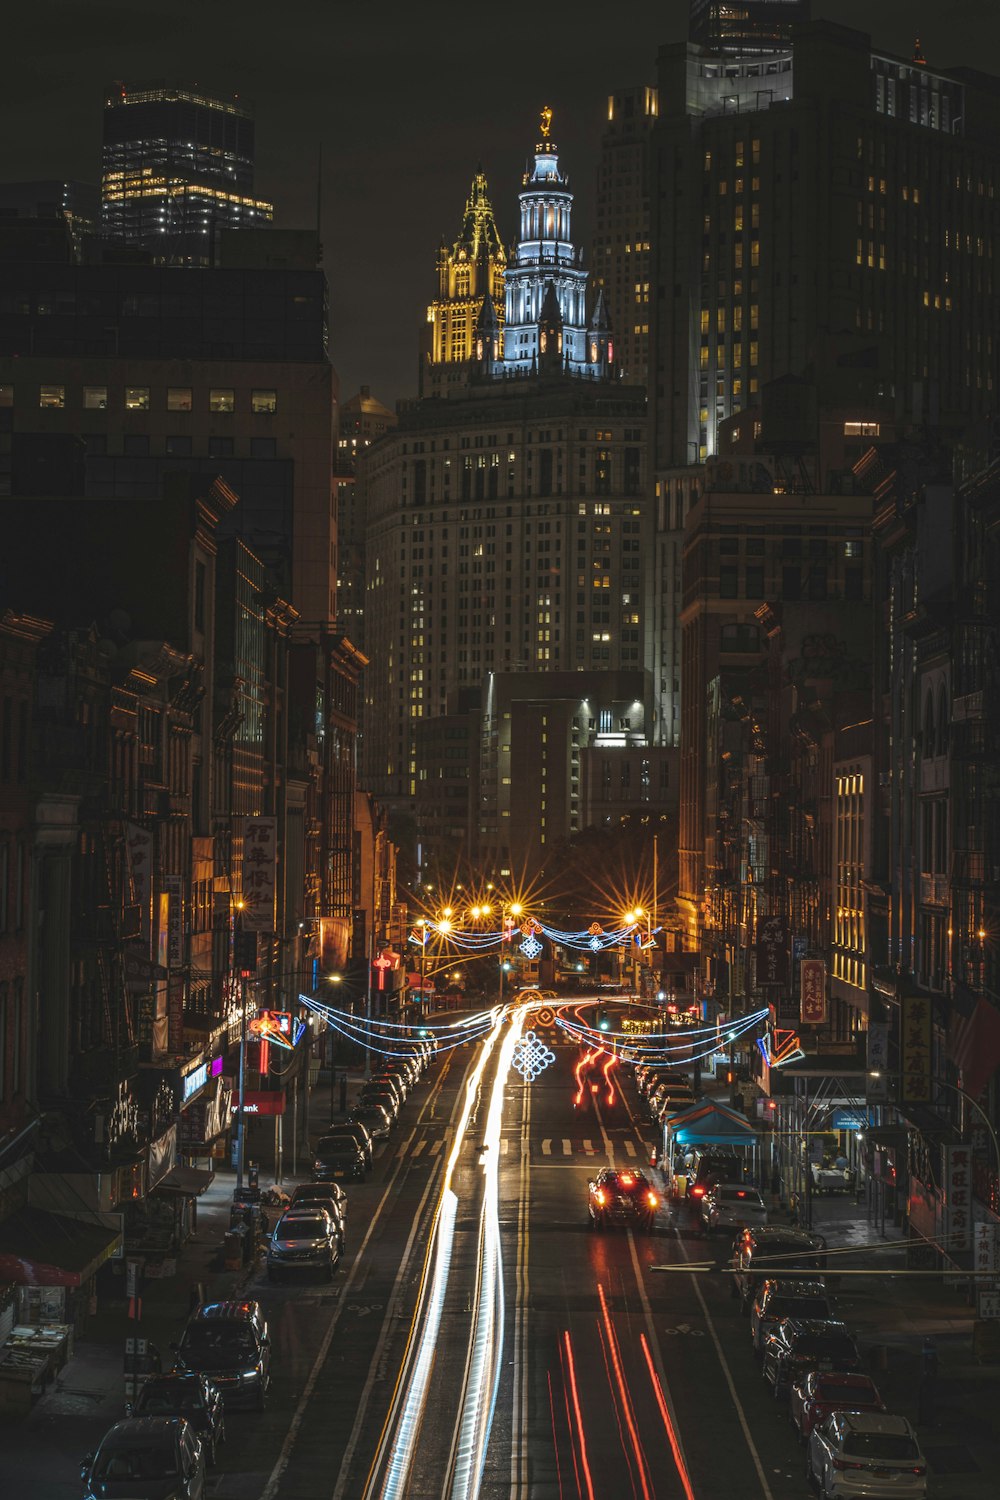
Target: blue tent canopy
709 1123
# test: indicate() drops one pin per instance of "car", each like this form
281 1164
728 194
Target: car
305 1239
228 1342
327 1194
374 1116
824 1391
339 1155
781 1297
193 1397
729 1206
352 1128
146 1458
794 1346
773 1250
390 1081
706 1168
869 1454
383 1098
625 1197
403 1067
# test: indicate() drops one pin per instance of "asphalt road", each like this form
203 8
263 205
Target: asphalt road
616 1380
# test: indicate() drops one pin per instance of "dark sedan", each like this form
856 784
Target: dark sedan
146 1458
190 1396
621 1198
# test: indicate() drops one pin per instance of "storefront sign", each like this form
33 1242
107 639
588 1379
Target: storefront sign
173 885
877 1062
139 842
772 950
986 1250
260 1102
958 1196
260 847
812 991
193 1081
915 1049
987 1304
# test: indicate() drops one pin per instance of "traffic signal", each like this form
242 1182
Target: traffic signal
603 1021
245 953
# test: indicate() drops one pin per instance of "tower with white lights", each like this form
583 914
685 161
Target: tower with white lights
545 257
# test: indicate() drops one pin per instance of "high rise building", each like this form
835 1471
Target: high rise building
467 270
824 206
745 28
176 168
620 256
545 257
77 204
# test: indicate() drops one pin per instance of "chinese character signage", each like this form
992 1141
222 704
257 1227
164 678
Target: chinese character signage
140 858
812 992
915 1049
772 950
986 1250
877 1062
260 846
958 1196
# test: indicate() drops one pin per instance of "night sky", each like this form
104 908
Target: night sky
406 100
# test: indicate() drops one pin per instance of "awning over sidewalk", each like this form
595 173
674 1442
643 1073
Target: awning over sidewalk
42 1249
191 1182
710 1122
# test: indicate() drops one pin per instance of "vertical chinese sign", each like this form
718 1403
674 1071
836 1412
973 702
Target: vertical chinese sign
877 1062
260 876
812 992
915 1049
958 1196
173 885
772 950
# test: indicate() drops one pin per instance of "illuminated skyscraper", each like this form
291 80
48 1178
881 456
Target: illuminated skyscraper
745 28
176 168
545 256
467 270
621 257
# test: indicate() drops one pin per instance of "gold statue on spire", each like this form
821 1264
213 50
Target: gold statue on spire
546 122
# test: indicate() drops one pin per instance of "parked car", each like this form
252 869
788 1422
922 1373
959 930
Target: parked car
870 1454
826 1391
730 1206
773 1250
339 1155
621 1198
706 1167
305 1239
352 1128
390 1081
797 1345
781 1297
327 1194
382 1097
375 1117
228 1342
194 1397
146 1458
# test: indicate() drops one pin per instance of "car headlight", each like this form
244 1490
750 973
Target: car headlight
249 1376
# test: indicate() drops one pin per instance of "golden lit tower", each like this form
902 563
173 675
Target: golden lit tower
471 267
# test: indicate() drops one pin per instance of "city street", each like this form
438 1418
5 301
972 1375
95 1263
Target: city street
615 1379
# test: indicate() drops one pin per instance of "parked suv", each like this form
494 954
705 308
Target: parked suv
353 1128
782 1298
190 1396
773 1250
328 1195
797 1345
146 1458
339 1155
229 1342
305 1239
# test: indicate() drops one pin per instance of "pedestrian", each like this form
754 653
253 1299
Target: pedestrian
793 1209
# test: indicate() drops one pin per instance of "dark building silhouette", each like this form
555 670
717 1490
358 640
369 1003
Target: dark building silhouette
741 30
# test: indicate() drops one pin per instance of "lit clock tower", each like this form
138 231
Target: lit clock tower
545 258
468 271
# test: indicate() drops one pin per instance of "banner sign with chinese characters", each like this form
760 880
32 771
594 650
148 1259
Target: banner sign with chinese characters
812 992
139 842
986 1251
877 1062
958 1196
772 950
260 848
915 1049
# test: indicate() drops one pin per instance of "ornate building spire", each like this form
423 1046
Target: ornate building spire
467 270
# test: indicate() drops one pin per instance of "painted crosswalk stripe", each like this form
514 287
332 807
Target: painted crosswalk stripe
435 1147
588 1147
504 1146
546 1148
629 1149
567 1147
420 1146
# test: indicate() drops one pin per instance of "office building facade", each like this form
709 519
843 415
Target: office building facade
621 252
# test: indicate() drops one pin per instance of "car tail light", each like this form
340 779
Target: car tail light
652 1199
919 1469
846 1463
601 1196
626 1179
697 1192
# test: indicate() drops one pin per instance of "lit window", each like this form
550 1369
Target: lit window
222 400
264 401
861 429
52 395
137 398
179 398
95 397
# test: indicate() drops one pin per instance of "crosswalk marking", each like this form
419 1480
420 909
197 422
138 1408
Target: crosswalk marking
546 1148
418 1148
629 1149
567 1147
588 1147
504 1145
435 1147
